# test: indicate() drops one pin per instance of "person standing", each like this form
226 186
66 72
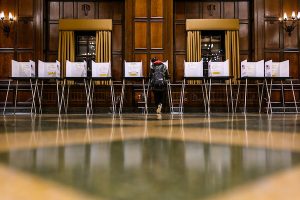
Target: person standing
158 81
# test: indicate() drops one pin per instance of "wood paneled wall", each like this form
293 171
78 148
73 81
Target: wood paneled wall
271 41
210 10
21 42
102 9
146 28
149 27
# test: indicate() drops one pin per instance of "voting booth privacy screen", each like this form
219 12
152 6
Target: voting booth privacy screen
48 69
265 69
193 69
133 69
76 69
23 69
102 69
216 69
252 69
277 69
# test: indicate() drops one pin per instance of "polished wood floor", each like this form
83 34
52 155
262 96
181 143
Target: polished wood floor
134 156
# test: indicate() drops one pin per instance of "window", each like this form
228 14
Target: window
85 47
212 47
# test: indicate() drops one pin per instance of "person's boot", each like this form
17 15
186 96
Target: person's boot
159 107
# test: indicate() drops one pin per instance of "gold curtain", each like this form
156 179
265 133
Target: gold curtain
194 46
103 50
232 52
66 49
103 46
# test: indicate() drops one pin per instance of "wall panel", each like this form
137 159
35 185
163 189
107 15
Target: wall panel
53 37
274 56
140 35
68 10
5 64
156 35
180 34
54 10
140 8
25 34
192 10
24 56
272 8
179 67
272 35
294 63
243 10
229 10
244 37
180 10
7 42
291 42
157 7
26 8
117 67
117 44
105 10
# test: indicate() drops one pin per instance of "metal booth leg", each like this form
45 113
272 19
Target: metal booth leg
7 92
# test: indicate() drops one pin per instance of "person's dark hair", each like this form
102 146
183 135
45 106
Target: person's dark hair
153 59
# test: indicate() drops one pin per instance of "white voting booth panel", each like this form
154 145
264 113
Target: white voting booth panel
76 69
133 69
102 69
277 69
216 69
252 69
48 69
23 69
193 69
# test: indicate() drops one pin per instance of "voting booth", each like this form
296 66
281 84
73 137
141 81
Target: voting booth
133 71
76 69
23 69
76 73
252 69
280 80
101 71
192 71
219 71
48 69
22 72
216 69
277 69
46 72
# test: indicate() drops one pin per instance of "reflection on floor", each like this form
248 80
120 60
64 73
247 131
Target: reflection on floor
150 157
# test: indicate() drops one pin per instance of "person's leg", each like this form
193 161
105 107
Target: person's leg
160 97
156 97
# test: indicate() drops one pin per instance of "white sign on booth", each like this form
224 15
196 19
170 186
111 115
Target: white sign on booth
23 69
48 69
133 69
252 69
76 69
216 69
193 69
102 69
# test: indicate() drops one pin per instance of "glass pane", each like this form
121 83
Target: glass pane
82 50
